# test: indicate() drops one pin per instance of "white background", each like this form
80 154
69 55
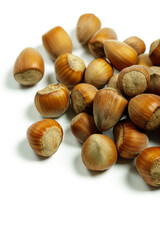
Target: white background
58 198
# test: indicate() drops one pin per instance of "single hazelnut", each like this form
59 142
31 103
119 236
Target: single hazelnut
120 54
148 165
87 25
53 100
98 152
98 72
69 69
29 67
133 80
143 59
154 86
144 111
108 108
82 126
113 81
56 42
129 140
96 43
154 52
45 136
137 43
82 96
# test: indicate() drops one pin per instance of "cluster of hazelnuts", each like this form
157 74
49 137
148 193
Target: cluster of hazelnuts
99 97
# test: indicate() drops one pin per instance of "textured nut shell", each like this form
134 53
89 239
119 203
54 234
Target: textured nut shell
144 59
120 54
53 100
148 165
130 141
154 86
29 67
69 69
82 126
154 52
82 96
113 81
96 43
144 111
137 43
45 136
56 42
98 152
133 80
98 72
87 25
108 107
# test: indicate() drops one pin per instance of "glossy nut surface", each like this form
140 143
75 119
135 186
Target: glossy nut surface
120 54
53 100
86 26
144 111
98 72
154 52
69 69
29 67
144 59
56 42
137 43
45 136
148 165
99 152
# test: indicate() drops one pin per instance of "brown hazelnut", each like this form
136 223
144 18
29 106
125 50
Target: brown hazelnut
133 80
28 67
98 72
154 86
69 69
143 59
113 81
108 108
82 96
87 25
154 52
148 165
96 43
53 100
82 126
120 54
45 136
56 42
99 152
137 43
144 111
129 140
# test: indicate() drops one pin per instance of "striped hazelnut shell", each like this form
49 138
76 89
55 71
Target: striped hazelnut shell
53 100
137 43
29 67
45 137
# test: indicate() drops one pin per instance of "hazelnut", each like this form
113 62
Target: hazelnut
154 86
56 42
108 108
143 59
69 69
144 111
87 25
148 165
98 152
113 81
133 80
154 52
28 67
53 100
45 136
98 72
129 140
96 43
82 126
137 43
120 54
82 96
